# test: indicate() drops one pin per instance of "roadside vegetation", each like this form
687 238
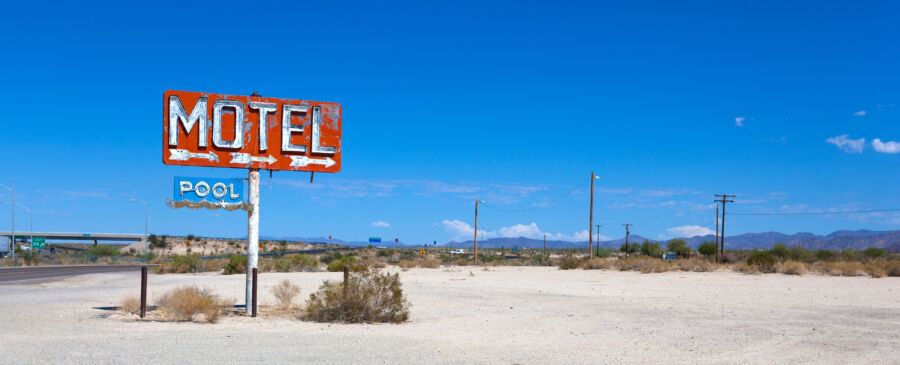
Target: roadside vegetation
367 296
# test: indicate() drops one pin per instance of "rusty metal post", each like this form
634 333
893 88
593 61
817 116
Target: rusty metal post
254 292
346 279
143 291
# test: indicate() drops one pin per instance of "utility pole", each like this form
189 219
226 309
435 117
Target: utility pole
476 230
598 238
627 232
717 232
545 245
723 199
591 223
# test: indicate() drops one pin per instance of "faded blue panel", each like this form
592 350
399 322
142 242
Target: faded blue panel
197 189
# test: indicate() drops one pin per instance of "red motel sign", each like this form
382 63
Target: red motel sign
218 130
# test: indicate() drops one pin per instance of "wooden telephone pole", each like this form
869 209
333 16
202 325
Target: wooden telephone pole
723 198
627 232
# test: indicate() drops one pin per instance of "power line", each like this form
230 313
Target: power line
825 213
546 204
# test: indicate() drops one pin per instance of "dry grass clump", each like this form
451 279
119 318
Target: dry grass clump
368 296
570 262
187 302
130 305
693 264
406 264
598 264
285 293
430 263
655 265
793 268
745 268
881 268
842 268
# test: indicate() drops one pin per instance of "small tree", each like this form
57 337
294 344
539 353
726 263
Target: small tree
680 247
780 250
630 248
707 248
873 252
652 249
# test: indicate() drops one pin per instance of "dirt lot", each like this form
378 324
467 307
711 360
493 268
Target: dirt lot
509 315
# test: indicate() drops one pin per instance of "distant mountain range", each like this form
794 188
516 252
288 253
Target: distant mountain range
857 240
839 240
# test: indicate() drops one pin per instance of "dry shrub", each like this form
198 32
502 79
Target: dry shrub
874 269
570 262
655 265
843 268
185 303
745 268
637 263
693 264
598 263
880 268
285 293
793 268
430 263
368 296
406 264
130 305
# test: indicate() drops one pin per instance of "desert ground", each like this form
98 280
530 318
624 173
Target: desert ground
506 315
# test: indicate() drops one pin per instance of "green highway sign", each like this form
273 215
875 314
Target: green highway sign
38 242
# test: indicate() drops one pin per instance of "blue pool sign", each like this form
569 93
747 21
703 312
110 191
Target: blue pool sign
213 190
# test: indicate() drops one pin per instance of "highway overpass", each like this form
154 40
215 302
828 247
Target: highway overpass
73 236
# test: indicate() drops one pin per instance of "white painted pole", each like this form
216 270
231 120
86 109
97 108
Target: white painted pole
252 234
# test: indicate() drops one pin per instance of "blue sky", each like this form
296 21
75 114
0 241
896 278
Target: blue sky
511 102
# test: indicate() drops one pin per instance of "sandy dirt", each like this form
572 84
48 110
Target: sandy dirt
509 315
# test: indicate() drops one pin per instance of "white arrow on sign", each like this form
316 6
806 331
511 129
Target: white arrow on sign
301 161
184 155
245 158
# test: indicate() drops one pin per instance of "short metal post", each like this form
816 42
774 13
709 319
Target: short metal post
255 286
143 291
346 278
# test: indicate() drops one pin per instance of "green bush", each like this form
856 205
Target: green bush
652 249
680 247
764 260
603 252
368 296
630 248
707 248
873 252
346 261
236 265
780 250
825 255
798 253
104 250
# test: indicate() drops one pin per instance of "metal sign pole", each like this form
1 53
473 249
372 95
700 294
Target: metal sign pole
252 236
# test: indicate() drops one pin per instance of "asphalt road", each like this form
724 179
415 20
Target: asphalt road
49 273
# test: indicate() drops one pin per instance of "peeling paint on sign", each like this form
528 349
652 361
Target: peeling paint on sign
217 130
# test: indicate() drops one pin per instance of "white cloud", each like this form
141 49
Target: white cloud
860 113
381 224
739 121
886 147
464 231
689 231
848 145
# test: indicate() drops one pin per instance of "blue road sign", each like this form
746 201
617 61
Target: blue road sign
197 189
374 239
